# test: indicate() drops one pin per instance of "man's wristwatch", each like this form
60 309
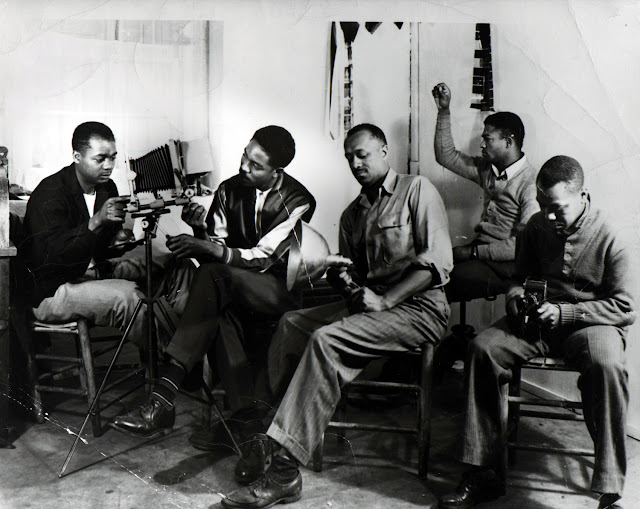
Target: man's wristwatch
474 253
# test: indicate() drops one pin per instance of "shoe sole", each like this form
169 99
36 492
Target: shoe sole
160 432
284 500
489 497
204 446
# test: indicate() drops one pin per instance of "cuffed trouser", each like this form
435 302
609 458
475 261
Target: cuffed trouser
596 351
209 324
339 349
476 279
104 302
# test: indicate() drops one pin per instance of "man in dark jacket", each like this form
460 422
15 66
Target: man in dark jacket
71 219
244 237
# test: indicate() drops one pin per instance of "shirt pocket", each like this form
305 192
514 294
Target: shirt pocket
396 238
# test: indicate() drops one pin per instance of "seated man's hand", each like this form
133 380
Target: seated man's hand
124 240
131 270
341 280
112 211
364 300
187 246
442 96
514 306
195 215
462 253
548 315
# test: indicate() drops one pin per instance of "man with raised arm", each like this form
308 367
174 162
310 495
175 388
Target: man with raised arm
482 267
396 233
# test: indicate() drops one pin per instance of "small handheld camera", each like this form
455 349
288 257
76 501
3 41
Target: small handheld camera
535 293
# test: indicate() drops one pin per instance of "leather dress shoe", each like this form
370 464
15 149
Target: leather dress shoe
475 487
253 464
148 421
270 489
610 501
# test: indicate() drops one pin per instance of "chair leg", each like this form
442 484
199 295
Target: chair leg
207 379
424 409
30 352
36 395
513 414
341 412
87 361
317 456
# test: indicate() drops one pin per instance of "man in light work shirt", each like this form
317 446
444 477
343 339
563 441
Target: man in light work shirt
482 268
396 233
585 318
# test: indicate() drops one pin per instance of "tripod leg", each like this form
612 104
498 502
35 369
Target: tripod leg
213 403
101 389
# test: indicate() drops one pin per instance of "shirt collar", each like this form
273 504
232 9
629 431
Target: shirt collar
276 185
577 224
511 170
388 186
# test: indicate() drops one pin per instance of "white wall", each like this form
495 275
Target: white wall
570 81
569 68
68 73
275 73
283 80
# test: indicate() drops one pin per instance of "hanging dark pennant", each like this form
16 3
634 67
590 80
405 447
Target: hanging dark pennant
482 88
398 24
350 30
333 48
372 26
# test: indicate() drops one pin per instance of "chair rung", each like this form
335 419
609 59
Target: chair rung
545 402
382 385
58 358
63 390
59 330
551 450
548 367
56 373
372 427
551 415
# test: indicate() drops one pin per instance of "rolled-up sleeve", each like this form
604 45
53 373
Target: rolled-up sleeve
430 231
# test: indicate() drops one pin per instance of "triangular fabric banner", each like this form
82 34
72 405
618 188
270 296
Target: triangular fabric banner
333 46
350 30
372 26
398 24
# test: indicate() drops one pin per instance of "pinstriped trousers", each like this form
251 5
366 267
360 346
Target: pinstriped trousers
338 349
596 351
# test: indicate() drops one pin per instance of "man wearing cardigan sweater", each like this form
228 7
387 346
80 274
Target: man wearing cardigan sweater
482 268
589 307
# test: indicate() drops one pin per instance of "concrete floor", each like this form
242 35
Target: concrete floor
369 471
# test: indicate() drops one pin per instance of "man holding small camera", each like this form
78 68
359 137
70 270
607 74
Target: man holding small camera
576 303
